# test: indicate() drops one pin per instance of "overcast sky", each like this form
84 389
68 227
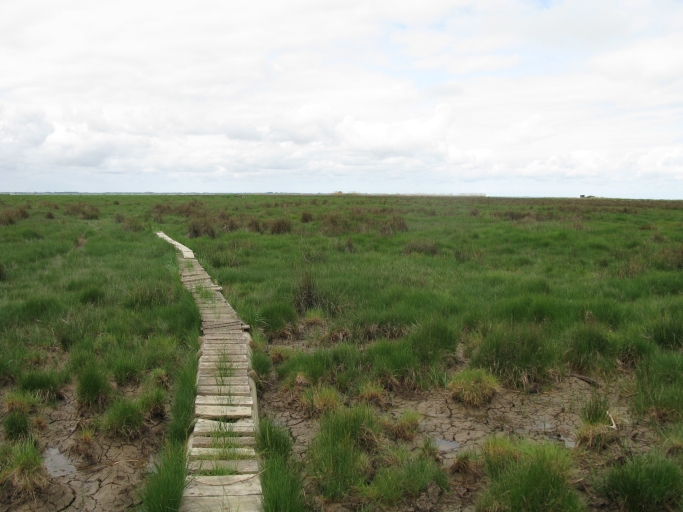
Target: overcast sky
509 97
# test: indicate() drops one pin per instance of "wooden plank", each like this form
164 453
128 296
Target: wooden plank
226 348
239 466
218 454
204 426
232 485
250 503
222 411
223 400
224 390
210 362
210 441
233 357
216 380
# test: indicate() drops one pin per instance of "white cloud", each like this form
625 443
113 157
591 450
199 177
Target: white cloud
320 95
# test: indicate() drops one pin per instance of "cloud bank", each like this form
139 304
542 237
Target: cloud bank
508 97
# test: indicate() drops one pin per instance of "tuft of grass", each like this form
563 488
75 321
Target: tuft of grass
321 399
93 387
153 402
272 440
519 354
276 316
261 364
182 406
406 426
473 386
164 488
588 346
125 367
409 479
594 410
536 480
22 467
371 392
646 482
282 486
337 457
498 453
17 426
666 331
45 383
596 431
660 385
124 417
21 401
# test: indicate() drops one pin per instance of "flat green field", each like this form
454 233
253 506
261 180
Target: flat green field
385 328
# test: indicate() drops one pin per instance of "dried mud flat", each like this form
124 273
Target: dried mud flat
550 416
104 473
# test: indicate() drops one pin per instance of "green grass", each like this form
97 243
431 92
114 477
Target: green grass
21 468
473 386
164 488
182 406
282 486
16 426
590 346
124 417
660 385
533 478
519 354
93 386
272 440
46 383
644 483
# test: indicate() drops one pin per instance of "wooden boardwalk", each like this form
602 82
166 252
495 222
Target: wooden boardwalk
224 471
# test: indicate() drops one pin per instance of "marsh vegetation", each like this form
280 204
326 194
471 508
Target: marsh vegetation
436 351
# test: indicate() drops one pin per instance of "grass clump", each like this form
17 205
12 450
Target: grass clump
321 399
338 461
21 401
17 425
409 479
124 417
473 386
532 478
93 386
45 383
660 385
588 346
182 406
281 479
644 483
261 364
518 354
21 466
272 440
276 316
164 488
371 392
597 430
153 402
406 426
666 331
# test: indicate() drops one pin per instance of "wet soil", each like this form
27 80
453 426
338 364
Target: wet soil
104 473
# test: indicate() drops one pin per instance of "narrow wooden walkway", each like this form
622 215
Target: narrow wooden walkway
223 464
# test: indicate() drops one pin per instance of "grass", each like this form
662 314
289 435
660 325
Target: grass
124 417
473 386
164 488
597 430
281 479
21 467
16 426
519 354
381 289
644 483
660 385
93 386
533 478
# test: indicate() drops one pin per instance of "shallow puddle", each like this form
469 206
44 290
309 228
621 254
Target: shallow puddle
57 464
446 446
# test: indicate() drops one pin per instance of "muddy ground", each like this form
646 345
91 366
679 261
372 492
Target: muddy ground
104 473
551 415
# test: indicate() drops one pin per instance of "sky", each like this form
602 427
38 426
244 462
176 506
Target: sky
505 97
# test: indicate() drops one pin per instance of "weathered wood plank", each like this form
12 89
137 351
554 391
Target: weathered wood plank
205 427
221 454
224 390
210 441
234 485
250 503
241 467
223 400
222 411
215 380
